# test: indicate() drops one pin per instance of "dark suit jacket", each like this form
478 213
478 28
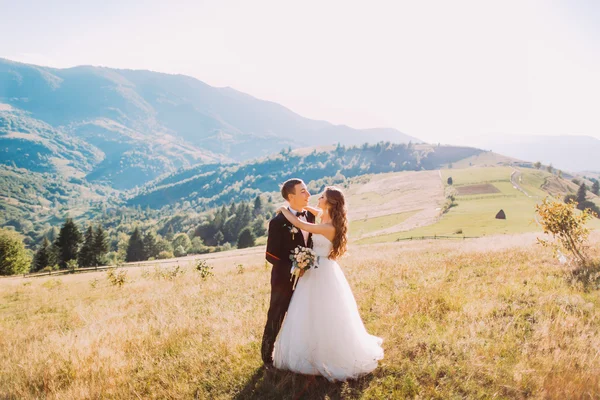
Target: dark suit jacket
281 242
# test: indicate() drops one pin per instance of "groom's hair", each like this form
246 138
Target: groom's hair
289 186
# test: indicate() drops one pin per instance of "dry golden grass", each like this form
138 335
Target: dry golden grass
486 318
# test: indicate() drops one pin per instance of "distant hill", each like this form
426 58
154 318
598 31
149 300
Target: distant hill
570 153
141 124
209 185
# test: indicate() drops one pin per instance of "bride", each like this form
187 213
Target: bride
323 333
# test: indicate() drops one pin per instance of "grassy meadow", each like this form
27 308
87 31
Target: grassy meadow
474 214
494 317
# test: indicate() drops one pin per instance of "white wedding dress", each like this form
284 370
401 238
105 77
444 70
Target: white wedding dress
323 333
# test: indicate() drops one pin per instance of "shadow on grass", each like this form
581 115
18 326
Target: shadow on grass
587 277
287 385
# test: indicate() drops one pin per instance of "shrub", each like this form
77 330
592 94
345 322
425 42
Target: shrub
204 269
116 278
14 259
567 227
179 251
163 255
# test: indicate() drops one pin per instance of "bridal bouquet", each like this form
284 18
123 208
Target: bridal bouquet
303 258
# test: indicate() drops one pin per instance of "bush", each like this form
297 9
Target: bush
567 227
245 239
570 198
589 205
163 255
14 259
204 269
180 252
198 246
116 278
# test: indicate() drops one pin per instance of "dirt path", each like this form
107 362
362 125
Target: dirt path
421 192
513 179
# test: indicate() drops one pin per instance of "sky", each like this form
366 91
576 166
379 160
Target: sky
442 71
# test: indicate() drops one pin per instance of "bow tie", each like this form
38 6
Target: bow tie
301 214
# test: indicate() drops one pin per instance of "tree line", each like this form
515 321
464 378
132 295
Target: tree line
117 239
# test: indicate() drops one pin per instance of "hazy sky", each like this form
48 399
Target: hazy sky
441 70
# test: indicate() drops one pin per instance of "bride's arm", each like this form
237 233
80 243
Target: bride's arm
314 210
324 229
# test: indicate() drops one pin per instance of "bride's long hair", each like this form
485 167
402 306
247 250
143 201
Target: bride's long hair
339 219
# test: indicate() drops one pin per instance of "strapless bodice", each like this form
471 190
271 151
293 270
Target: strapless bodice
321 245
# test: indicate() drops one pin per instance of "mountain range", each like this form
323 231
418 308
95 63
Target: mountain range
127 127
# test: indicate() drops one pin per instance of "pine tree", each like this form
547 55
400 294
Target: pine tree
245 239
232 209
259 227
581 193
258 206
170 233
596 188
43 257
135 248
150 249
86 254
67 243
219 238
100 246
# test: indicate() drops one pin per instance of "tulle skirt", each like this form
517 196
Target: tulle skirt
323 333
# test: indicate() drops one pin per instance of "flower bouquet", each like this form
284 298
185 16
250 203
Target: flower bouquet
303 258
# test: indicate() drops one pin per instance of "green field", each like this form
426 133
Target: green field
474 215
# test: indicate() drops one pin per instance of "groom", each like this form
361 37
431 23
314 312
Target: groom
283 238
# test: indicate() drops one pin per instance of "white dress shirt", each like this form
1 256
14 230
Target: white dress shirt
301 218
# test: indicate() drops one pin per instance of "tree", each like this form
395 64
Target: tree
100 246
232 210
43 257
596 188
245 239
122 245
179 251
537 165
183 240
135 249
150 248
86 254
163 245
450 180
14 259
258 207
67 243
566 226
198 246
170 233
259 227
550 168
581 193
219 237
